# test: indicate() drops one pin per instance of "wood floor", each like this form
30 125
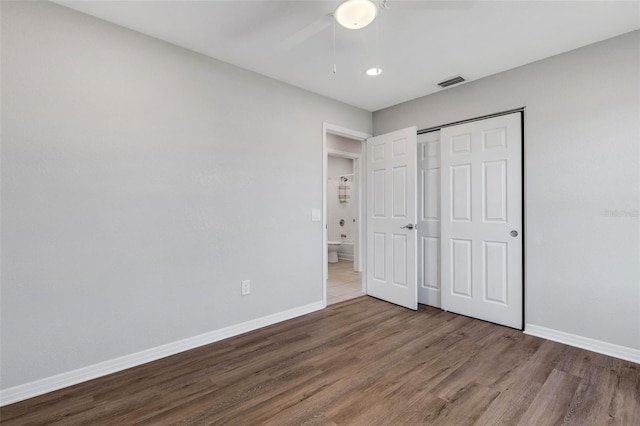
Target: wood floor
359 362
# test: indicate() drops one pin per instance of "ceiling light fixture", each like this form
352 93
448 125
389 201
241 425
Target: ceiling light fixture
356 14
374 71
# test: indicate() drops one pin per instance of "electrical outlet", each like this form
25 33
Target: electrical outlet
246 287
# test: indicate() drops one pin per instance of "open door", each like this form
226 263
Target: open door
391 218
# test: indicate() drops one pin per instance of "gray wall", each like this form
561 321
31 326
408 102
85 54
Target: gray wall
141 183
582 172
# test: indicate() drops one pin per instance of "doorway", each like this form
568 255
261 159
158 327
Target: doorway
344 281
343 197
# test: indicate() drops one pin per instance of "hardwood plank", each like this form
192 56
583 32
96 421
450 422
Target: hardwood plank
509 407
358 362
536 368
553 400
467 405
624 408
597 399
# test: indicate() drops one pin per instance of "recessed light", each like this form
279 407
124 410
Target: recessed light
374 71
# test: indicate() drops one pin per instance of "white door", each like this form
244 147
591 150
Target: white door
391 218
481 222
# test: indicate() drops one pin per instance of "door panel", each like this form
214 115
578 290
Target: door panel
494 265
379 261
495 191
461 267
400 249
481 190
461 193
399 192
391 205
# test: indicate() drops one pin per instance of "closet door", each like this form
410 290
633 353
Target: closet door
481 223
391 218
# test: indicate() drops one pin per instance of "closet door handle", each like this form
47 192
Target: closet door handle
409 226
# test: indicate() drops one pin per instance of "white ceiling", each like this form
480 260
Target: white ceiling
417 43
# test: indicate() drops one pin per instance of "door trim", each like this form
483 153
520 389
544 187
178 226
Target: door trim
328 128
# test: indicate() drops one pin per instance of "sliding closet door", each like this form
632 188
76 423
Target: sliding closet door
481 224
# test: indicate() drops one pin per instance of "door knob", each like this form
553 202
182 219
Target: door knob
409 226
514 233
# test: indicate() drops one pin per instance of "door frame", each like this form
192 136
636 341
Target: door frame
361 137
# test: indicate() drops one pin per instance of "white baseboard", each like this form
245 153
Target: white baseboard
605 348
49 384
345 256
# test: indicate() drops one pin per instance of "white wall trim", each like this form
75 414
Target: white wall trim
605 348
49 384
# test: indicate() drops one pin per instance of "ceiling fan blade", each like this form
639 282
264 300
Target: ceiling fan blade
426 4
307 32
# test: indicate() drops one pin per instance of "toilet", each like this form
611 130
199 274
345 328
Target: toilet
333 251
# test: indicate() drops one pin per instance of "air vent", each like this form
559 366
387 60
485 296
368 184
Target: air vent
455 80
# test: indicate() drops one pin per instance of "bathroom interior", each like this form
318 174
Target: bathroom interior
344 282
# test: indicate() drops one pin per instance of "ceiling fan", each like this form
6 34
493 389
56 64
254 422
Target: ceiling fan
357 14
